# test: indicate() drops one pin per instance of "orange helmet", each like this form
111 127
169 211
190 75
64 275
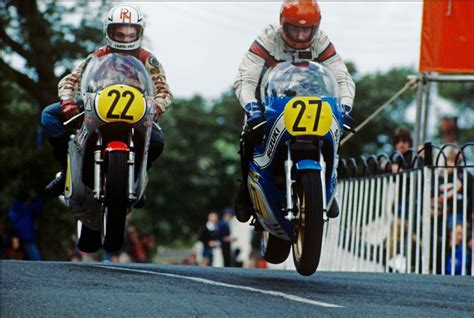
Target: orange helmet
299 20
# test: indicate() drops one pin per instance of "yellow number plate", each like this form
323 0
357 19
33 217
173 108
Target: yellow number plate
307 116
120 103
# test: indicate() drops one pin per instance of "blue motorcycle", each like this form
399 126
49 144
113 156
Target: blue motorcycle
290 182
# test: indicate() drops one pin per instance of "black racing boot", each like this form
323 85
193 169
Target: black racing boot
60 145
333 211
242 205
140 203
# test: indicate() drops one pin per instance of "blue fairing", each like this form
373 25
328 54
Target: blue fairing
275 196
308 164
286 81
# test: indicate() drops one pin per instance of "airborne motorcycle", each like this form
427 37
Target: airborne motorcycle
107 156
290 182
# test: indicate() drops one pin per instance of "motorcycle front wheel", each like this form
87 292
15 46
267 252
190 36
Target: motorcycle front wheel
309 227
116 200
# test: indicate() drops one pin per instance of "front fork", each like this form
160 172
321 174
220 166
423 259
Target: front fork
131 168
98 167
289 215
98 163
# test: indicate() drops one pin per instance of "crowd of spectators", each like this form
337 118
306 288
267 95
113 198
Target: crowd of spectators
448 195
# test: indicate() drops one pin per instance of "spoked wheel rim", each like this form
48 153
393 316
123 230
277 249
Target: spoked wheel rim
309 225
300 226
104 225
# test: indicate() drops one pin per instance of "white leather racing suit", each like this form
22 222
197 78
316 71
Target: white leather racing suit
69 86
269 49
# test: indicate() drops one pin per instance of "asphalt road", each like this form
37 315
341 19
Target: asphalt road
56 289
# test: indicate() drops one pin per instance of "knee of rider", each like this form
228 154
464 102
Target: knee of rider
45 117
156 147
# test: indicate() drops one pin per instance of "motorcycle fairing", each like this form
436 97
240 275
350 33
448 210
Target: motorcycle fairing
130 75
270 221
308 164
262 189
83 205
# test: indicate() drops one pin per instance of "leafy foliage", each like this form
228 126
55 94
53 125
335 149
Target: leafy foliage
44 39
462 94
372 91
198 169
47 38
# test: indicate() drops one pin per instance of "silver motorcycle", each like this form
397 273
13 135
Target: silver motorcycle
107 155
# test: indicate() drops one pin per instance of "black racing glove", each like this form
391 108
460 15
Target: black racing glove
254 128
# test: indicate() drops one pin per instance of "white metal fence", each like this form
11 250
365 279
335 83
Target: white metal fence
407 213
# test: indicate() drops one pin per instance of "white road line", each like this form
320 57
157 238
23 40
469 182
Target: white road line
211 282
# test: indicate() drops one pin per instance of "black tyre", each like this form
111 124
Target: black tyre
116 200
89 241
309 229
273 249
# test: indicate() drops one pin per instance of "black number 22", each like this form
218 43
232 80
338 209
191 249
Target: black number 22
123 115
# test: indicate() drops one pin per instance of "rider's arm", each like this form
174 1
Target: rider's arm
69 85
328 56
256 60
161 91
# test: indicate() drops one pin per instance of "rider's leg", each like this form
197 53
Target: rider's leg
157 143
52 122
242 205
330 153
251 135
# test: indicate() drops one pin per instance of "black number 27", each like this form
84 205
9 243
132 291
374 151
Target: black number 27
318 103
123 115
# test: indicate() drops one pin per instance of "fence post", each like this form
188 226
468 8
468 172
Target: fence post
426 230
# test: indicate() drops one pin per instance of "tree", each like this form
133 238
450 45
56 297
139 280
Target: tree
197 171
462 94
43 37
39 41
372 90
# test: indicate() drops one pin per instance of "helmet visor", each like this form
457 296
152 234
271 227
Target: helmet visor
298 33
124 33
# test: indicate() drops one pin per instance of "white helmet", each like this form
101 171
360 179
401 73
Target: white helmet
124 15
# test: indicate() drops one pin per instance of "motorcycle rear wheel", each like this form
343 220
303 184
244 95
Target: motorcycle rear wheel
116 201
273 249
309 229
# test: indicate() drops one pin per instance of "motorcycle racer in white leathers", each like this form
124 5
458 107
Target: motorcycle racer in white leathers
123 28
298 37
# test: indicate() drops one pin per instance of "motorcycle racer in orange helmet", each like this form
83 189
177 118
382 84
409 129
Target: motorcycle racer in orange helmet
299 21
297 38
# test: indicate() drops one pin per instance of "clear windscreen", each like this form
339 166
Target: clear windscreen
112 69
291 79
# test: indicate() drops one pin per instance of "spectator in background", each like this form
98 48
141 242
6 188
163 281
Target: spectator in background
456 243
225 237
21 215
191 260
149 244
451 188
136 249
13 249
402 143
209 236
448 129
